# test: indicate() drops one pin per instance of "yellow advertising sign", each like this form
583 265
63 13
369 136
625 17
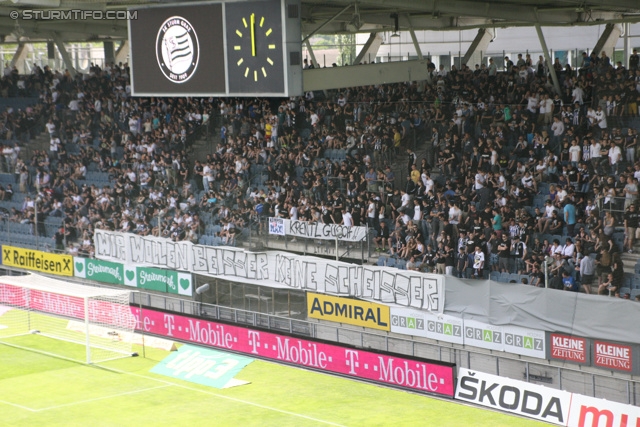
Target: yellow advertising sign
350 311
60 265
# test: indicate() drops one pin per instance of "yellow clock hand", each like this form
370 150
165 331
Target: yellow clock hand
253 34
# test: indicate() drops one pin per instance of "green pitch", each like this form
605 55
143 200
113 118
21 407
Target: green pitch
40 390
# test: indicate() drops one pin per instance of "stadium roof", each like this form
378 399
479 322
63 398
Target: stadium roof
336 16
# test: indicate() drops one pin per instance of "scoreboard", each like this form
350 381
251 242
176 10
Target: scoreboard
242 48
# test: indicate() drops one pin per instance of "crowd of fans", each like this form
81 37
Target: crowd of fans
508 163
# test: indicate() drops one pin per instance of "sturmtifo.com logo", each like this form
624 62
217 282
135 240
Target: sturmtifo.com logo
177 49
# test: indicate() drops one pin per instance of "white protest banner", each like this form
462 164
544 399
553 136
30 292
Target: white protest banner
276 269
423 324
518 397
316 230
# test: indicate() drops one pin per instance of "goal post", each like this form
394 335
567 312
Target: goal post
98 320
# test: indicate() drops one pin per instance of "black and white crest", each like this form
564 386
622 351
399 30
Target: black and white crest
177 49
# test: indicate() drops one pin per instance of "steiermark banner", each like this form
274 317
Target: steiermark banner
98 270
155 279
117 273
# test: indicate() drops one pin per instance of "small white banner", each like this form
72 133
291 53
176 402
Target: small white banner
316 230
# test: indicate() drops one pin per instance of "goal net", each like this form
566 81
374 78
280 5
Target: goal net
98 321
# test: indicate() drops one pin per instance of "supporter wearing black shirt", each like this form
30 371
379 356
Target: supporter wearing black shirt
357 210
556 224
504 251
449 260
631 219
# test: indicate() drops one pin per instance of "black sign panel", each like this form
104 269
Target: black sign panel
254 47
178 50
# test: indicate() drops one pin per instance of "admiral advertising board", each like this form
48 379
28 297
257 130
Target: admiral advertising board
347 310
543 403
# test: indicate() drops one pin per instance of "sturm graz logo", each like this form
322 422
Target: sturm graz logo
177 49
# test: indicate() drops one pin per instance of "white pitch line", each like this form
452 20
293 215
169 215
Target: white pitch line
282 411
18 406
100 398
169 384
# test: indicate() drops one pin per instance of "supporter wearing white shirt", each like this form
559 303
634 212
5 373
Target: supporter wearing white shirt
561 194
557 127
133 125
417 211
455 214
527 180
51 127
568 250
480 181
532 104
615 155
578 95
591 115
347 219
428 185
406 198
601 118
293 213
314 118
574 153
594 149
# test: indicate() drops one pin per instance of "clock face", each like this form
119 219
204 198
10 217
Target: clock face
254 48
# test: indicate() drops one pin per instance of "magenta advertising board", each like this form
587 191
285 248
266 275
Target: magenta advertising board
417 375
386 369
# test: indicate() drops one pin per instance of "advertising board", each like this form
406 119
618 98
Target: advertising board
517 397
44 262
543 403
568 348
397 371
423 324
612 355
348 310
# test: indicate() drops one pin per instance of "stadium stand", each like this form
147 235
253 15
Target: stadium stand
558 174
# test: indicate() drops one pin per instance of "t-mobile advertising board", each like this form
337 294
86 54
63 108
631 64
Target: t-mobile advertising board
386 369
426 377
543 403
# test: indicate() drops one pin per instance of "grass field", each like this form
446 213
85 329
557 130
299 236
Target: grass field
40 390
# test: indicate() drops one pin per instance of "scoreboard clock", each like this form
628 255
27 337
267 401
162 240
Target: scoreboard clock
248 48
